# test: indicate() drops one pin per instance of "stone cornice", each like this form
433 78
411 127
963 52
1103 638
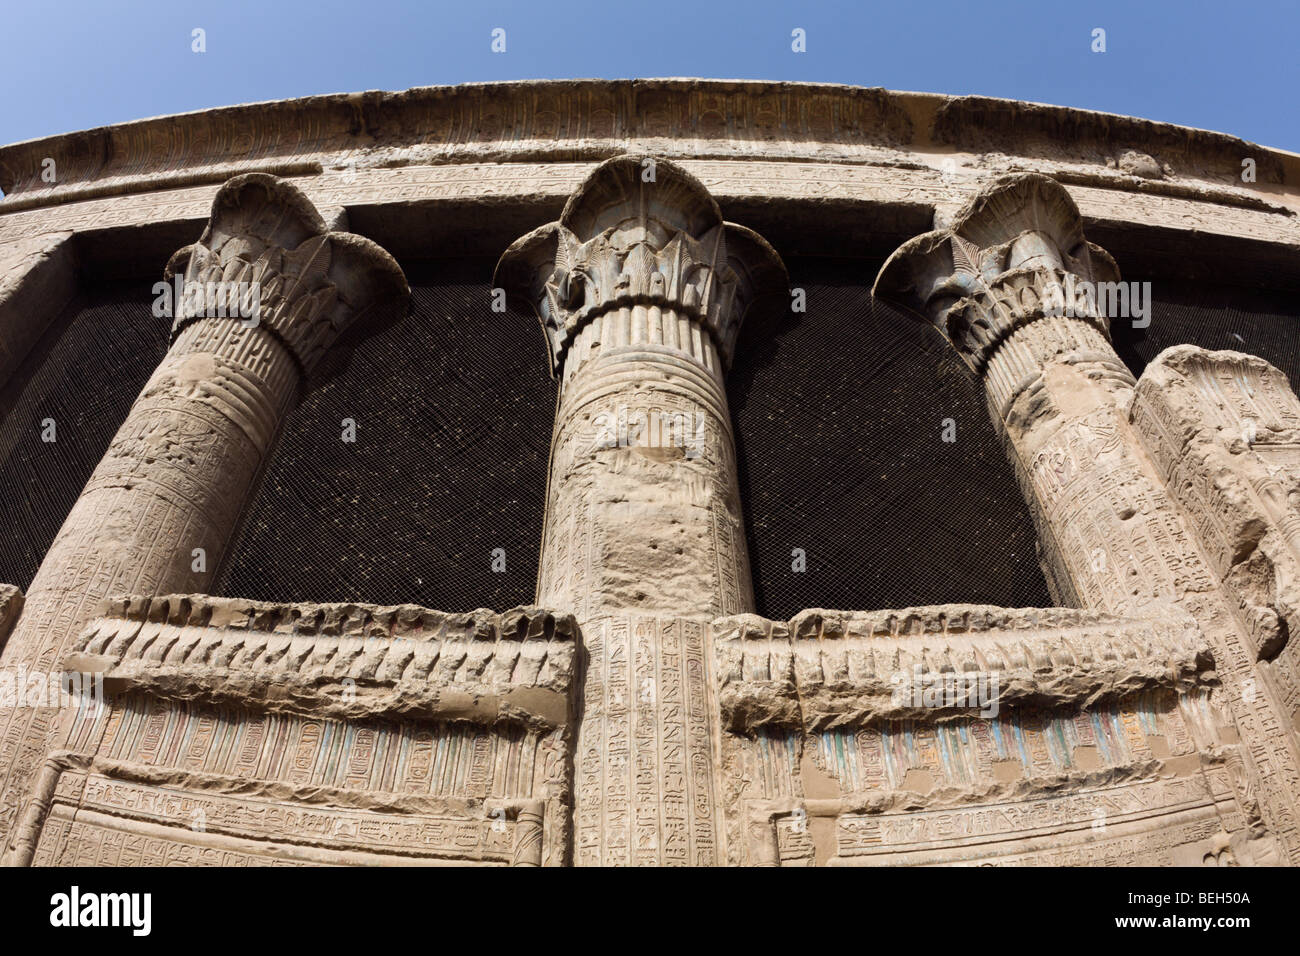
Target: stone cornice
584 120
825 669
337 660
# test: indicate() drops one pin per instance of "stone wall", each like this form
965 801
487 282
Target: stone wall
641 713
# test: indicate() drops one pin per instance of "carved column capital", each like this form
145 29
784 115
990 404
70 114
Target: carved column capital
1013 257
277 262
644 237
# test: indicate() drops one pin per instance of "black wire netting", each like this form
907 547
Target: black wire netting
83 376
853 498
1263 323
439 499
840 417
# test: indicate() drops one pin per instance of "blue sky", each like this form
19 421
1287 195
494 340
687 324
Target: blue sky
1229 66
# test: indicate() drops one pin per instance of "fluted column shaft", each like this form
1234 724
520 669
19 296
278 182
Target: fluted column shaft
643 506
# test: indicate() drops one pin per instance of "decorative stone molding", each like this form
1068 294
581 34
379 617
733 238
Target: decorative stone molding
830 668
1009 284
337 660
546 120
311 283
1102 735
312 733
637 261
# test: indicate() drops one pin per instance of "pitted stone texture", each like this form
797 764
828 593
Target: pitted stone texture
163 504
338 660
641 288
642 254
1054 736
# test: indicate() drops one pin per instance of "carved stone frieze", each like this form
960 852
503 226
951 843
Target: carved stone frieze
339 660
1223 430
965 735
311 734
830 668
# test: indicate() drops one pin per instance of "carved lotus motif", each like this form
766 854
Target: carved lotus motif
1015 253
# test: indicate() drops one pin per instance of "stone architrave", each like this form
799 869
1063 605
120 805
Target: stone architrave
161 508
641 288
1019 292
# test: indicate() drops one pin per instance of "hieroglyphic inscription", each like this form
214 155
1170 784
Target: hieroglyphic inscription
645 788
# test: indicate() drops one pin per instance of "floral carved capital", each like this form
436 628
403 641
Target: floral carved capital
640 232
1014 254
275 264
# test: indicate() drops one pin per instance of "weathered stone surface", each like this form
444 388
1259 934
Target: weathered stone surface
164 502
11 605
642 713
311 734
829 669
1104 732
641 288
1012 283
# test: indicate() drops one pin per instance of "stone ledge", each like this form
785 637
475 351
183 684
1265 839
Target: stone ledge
826 669
337 660
559 120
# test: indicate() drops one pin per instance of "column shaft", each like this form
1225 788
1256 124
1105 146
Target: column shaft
643 504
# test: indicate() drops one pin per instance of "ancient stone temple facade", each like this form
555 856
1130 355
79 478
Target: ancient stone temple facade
179 685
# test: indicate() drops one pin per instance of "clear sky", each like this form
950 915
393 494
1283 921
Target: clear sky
1229 65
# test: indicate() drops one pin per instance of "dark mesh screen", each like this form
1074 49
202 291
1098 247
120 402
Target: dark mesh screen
453 408
840 423
839 420
84 373
1266 324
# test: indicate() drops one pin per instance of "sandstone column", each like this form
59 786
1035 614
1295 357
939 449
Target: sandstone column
161 508
641 288
1012 284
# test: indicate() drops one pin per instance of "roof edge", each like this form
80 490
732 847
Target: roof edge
585 118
